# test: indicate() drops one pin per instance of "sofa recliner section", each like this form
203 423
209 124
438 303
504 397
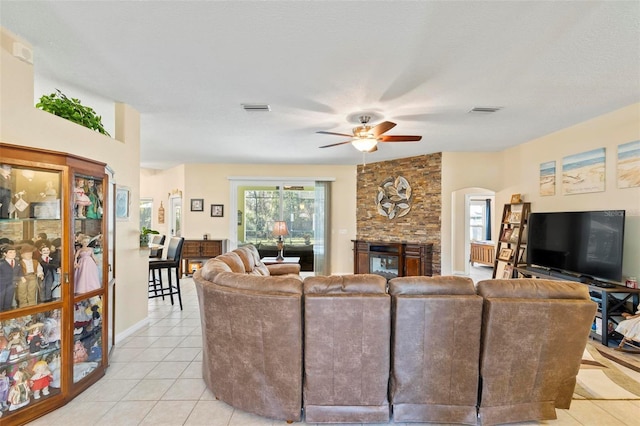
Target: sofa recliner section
533 335
252 342
435 345
346 349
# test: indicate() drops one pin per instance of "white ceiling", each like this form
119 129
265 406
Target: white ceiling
187 66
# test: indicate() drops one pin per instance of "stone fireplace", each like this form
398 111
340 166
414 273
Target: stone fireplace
422 223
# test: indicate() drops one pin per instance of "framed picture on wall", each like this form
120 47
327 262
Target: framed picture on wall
217 210
197 204
122 203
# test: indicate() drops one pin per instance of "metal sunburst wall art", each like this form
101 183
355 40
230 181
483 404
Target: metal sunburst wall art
394 197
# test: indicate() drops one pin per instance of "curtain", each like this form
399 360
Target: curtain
487 220
322 209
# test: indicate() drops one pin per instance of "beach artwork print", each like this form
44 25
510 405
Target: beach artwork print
629 165
584 172
548 178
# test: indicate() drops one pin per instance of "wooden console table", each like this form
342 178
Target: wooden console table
392 260
194 250
608 306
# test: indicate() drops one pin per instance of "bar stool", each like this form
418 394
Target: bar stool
156 240
155 253
174 255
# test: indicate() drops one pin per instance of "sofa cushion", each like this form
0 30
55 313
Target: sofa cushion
335 284
247 258
532 289
211 268
233 261
444 285
272 284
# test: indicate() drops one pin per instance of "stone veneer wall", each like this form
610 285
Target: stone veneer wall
422 223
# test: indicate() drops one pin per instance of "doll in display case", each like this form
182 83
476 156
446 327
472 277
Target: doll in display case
27 290
86 277
93 210
41 379
35 338
10 276
80 198
19 393
17 345
5 384
50 267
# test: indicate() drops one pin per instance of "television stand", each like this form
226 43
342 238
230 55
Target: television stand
601 292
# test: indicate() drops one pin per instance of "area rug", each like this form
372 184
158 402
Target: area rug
603 376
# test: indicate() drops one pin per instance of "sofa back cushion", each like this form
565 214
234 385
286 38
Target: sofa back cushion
251 260
270 284
211 268
233 261
344 284
445 285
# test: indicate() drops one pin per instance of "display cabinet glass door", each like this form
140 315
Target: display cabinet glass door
31 296
90 270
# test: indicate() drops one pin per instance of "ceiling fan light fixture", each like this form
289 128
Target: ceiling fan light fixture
364 144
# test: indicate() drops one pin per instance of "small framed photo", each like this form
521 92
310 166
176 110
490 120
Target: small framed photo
505 254
217 210
508 272
506 235
516 198
197 204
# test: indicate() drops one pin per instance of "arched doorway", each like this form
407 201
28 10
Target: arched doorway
472 217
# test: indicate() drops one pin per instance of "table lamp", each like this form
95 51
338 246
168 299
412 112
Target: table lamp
280 229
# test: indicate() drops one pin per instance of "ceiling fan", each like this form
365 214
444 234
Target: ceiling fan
365 138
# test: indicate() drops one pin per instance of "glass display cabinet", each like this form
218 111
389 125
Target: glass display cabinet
54 275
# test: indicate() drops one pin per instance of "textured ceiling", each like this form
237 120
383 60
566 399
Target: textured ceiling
187 66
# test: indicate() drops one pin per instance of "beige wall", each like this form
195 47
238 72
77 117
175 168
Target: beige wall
461 173
516 170
522 164
22 124
211 182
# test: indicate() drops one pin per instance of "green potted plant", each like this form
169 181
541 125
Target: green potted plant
144 236
73 110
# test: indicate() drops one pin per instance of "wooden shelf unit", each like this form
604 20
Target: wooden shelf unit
512 240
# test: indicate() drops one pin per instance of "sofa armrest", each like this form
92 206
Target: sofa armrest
284 269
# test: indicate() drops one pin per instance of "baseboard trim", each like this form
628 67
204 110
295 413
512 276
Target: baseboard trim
131 330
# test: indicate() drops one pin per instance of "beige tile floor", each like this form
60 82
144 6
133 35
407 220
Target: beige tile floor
154 378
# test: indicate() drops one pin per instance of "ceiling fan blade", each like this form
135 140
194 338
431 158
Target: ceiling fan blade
398 138
335 144
334 133
379 129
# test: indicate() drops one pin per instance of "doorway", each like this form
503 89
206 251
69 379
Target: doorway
175 216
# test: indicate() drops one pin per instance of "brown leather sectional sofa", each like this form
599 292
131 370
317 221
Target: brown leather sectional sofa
354 349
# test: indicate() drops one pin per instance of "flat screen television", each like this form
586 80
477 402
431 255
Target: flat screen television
584 244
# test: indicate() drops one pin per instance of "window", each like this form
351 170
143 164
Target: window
477 220
146 211
303 205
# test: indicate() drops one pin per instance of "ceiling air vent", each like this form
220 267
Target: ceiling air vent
256 107
484 110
